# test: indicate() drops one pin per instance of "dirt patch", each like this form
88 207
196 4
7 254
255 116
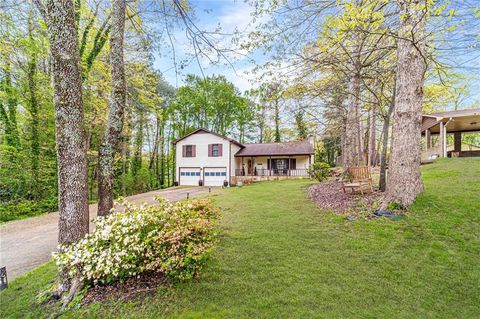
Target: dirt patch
330 196
132 288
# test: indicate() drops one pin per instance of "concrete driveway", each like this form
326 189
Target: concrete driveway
28 243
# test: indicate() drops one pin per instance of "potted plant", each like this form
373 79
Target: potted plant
225 183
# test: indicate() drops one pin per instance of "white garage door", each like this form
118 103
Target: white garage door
215 176
190 176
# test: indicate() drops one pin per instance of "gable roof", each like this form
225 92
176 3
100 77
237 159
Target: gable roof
274 149
210 132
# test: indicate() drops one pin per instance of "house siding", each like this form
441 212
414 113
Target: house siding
203 157
202 141
261 162
235 162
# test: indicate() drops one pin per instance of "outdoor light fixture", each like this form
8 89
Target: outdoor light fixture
3 278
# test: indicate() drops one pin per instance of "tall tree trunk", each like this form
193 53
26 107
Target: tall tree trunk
161 171
171 160
138 144
126 139
117 108
383 161
70 136
10 114
277 121
372 138
302 131
343 138
385 137
91 181
261 126
154 151
404 179
124 165
352 146
361 138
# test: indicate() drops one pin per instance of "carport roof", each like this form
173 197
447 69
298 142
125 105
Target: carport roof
458 121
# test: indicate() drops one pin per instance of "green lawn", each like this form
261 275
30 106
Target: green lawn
280 257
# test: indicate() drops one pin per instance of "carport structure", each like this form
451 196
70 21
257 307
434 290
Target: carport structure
451 122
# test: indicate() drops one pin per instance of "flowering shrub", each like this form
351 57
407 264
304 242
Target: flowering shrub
171 238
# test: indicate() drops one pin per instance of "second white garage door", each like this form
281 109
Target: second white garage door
190 176
215 176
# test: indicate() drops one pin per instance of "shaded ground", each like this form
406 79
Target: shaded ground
28 243
133 288
329 196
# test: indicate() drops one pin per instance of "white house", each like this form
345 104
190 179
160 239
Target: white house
210 159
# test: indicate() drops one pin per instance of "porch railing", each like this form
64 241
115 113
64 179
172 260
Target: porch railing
272 172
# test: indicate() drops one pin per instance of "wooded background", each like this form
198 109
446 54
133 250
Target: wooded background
339 85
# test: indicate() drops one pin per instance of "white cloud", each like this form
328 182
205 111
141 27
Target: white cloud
243 78
238 16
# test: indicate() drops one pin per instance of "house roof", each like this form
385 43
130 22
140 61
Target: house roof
203 130
261 149
273 149
458 121
457 113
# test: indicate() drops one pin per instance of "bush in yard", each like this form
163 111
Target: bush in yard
319 171
23 208
171 238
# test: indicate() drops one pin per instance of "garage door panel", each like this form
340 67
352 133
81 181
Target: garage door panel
190 176
215 176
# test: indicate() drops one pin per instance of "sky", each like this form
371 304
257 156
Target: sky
230 16
233 15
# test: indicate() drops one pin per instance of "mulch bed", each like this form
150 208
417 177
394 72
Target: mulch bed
132 288
330 196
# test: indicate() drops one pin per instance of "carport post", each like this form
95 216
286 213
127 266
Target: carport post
442 139
427 139
457 141
444 136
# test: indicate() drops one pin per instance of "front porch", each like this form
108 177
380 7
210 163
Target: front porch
247 179
436 128
263 168
272 172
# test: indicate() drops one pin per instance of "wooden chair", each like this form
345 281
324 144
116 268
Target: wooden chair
359 177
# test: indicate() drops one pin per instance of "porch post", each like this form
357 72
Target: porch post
457 137
289 162
445 140
442 139
271 165
427 139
